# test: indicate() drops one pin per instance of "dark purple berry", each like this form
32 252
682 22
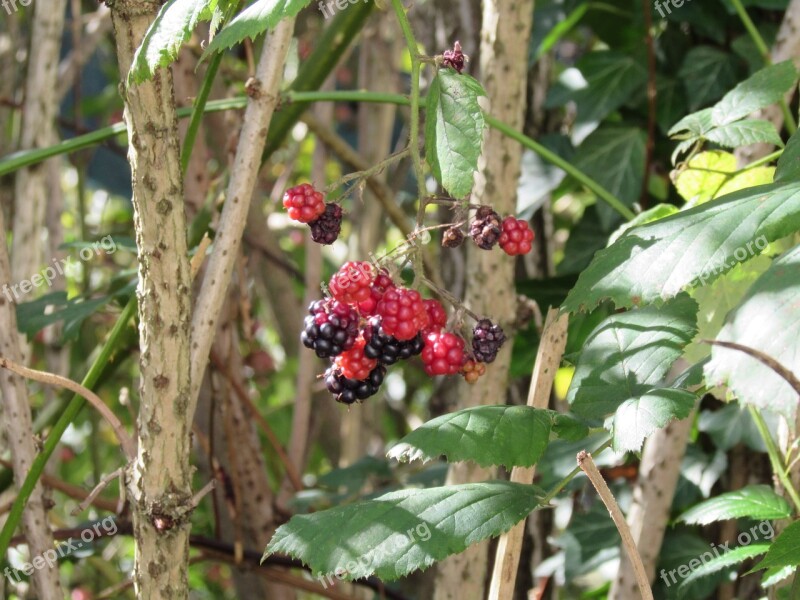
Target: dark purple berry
486 228
387 349
349 391
330 328
487 339
325 230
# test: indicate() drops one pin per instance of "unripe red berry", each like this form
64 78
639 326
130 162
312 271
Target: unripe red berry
403 313
351 283
516 237
353 364
304 203
443 353
437 315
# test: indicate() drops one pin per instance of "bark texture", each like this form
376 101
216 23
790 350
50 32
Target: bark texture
16 434
490 288
159 482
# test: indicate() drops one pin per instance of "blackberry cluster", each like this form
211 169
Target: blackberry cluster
325 230
330 328
486 228
387 349
349 391
487 339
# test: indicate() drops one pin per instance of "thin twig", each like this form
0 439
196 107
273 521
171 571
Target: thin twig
587 465
651 101
770 362
125 441
204 491
104 482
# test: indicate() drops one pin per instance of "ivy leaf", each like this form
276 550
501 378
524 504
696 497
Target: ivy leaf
656 261
454 130
768 320
254 20
628 354
758 502
637 418
784 551
743 133
512 436
707 73
400 532
763 88
169 31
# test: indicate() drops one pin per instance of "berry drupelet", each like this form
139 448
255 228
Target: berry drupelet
304 203
330 328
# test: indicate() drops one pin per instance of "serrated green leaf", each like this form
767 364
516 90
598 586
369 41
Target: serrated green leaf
612 78
454 127
784 551
704 175
756 502
651 215
656 261
743 133
169 31
636 419
768 320
707 74
400 532
732 557
614 157
789 162
488 435
697 123
763 88
254 20
628 354
568 428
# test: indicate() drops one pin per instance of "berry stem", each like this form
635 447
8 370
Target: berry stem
366 173
449 297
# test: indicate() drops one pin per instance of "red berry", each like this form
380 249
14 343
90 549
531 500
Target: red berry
378 288
443 353
304 203
353 364
403 313
516 237
437 315
351 283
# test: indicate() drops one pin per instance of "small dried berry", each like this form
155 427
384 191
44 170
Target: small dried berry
330 328
443 353
486 228
351 283
487 339
517 236
325 230
454 58
453 237
304 203
472 371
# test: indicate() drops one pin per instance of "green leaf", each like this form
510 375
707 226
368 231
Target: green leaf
763 88
614 158
768 320
656 261
747 179
637 418
756 502
743 133
454 130
254 20
784 551
707 74
789 162
169 31
651 215
488 435
400 532
697 123
671 102
732 557
704 175
612 79
628 354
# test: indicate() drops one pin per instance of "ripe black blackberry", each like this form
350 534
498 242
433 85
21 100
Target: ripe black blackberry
387 349
487 339
348 391
325 230
486 228
330 328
